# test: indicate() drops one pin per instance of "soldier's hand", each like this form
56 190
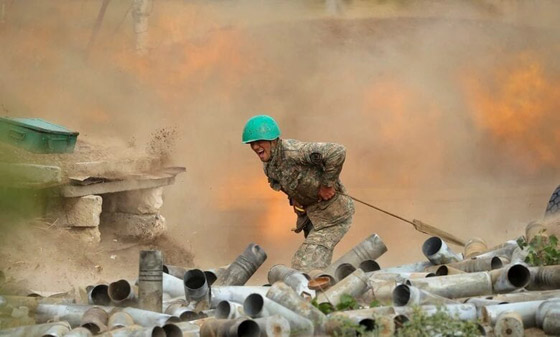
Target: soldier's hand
326 193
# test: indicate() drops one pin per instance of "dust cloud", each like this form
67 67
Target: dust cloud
448 109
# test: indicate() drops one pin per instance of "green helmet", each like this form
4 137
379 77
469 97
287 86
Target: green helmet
261 127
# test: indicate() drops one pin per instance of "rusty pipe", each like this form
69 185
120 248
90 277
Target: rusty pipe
447 270
476 264
551 322
474 246
181 329
150 286
135 331
437 251
509 324
95 320
213 274
505 250
544 308
244 266
343 270
79 332
527 296
122 292
510 278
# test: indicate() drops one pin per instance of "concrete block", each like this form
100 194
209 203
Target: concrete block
145 201
29 175
135 226
80 212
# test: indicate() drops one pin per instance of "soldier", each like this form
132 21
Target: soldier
309 175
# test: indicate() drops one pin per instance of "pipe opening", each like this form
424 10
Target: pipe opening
519 275
432 246
165 269
344 270
248 328
399 321
94 328
223 310
253 304
369 266
173 319
171 330
211 277
401 295
194 279
119 290
430 275
188 316
368 324
158 332
496 263
100 295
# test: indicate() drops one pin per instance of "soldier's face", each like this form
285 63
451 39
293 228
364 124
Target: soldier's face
263 149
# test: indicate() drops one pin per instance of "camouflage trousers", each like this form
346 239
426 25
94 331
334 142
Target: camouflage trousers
317 249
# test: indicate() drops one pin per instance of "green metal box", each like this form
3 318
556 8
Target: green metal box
37 135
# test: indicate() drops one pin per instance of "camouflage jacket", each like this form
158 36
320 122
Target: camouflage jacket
299 169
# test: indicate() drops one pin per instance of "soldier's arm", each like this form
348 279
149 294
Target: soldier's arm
328 156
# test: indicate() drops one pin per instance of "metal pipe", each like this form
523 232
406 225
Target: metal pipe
447 270
99 295
369 266
408 295
383 290
292 277
149 318
354 285
474 246
409 268
176 271
173 286
505 250
56 329
510 278
229 310
551 322
230 328
343 270
240 270
182 329
544 308
95 320
256 305
135 331
476 264
369 249
273 326
196 289
213 274
463 312
281 293
122 293
544 278
437 251
527 296
119 319
181 309
527 310
456 286
236 294
150 286
509 324
399 277
368 318
79 332
72 313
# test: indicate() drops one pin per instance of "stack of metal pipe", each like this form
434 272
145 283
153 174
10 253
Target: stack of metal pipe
491 287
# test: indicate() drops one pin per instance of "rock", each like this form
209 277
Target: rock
79 212
135 226
145 201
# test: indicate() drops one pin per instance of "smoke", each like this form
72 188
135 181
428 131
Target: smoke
448 110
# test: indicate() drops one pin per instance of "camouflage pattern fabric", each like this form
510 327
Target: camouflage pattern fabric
317 250
299 169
